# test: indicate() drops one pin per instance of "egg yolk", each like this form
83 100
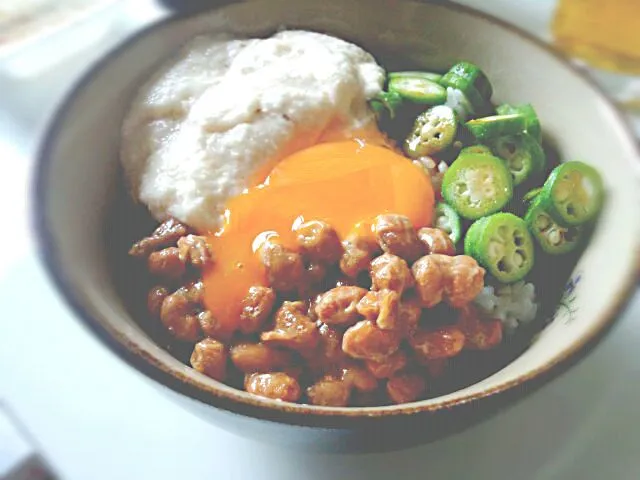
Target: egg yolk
346 184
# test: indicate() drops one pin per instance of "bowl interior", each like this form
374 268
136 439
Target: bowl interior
79 181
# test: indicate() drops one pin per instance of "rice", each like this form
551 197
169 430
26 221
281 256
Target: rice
512 304
459 103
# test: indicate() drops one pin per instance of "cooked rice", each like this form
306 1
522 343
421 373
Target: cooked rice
512 304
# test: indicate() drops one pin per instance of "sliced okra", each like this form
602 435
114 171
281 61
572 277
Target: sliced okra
386 104
488 128
532 123
465 75
418 89
432 76
522 153
502 244
573 194
481 149
553 238
433 131
476 185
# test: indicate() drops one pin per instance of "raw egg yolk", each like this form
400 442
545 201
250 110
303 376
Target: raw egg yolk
346 184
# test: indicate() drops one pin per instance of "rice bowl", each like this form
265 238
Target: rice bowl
72 232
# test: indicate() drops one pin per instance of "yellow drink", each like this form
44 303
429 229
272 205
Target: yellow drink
603 33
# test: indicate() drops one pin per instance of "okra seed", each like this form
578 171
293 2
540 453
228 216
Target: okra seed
575 177
496 249
542 222
555 237
563 192
517 259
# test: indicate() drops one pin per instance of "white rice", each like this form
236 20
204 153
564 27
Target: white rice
513 304
459 103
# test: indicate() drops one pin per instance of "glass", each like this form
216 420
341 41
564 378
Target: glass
603 33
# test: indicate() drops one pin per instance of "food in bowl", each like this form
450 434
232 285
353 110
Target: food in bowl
337 235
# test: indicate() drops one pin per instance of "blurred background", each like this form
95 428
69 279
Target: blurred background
66 405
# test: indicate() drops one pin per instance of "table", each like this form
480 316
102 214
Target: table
93 417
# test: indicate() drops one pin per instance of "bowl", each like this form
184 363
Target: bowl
79 189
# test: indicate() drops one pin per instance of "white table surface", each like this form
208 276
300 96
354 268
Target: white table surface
93 417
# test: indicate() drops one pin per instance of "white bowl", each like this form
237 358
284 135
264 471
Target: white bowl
78 182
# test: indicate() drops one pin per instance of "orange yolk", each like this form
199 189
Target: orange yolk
346 184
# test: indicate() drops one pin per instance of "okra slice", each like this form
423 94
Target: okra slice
482 149
476 185
418 89
447 219
464 75
433 131
532 123
434 77
386 104
487 128
573 194
522 153
502 244
553 238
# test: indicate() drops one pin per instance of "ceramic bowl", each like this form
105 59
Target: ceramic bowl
78 185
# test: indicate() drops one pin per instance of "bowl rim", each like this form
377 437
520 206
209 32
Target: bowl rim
284 412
